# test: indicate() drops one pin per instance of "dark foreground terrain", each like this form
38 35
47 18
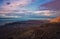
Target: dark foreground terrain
30 30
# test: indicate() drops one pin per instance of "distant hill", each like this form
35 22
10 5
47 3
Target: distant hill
57 19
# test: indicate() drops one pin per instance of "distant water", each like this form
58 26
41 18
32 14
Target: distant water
9 20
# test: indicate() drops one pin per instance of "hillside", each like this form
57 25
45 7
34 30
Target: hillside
57 19
35 31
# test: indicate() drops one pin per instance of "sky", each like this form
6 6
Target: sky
29 8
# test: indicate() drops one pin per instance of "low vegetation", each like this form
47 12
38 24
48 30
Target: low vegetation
43 31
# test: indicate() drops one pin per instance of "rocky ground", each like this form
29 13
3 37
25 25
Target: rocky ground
33 31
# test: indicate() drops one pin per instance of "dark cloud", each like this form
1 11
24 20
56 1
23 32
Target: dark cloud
55 5
8 3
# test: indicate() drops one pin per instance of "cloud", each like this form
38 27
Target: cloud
30 14
11 5
45 12
55 5
9 16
